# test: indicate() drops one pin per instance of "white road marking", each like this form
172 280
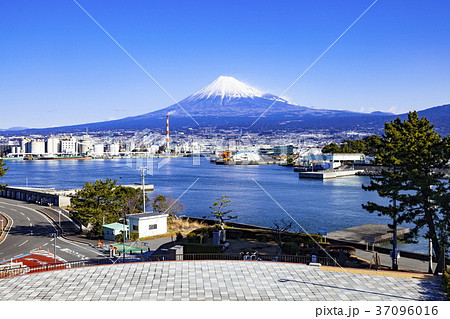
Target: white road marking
79 246
10 227
31 225
45 245
1 253
22 214
23 243
28 218
13 210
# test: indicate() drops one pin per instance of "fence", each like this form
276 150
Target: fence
14 270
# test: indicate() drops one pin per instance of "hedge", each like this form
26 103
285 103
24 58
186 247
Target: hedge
193 248
290 248
134 236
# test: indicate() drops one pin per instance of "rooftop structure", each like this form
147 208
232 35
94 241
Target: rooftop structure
219 280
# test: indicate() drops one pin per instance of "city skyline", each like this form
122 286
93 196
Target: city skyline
60 68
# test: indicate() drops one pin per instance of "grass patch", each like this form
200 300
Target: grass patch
177 225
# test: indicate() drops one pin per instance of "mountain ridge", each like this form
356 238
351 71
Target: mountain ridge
227 102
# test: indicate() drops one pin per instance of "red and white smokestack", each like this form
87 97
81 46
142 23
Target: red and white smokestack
167 136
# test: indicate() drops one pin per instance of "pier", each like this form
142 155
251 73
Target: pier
375 233
329 174
51 196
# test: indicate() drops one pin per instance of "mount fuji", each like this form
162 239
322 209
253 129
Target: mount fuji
227 102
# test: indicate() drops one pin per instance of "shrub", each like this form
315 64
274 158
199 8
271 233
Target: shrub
446 282
119 238
306 238
193 248
205 231
288 239
262 237
234 234
290 248
134 236
192 238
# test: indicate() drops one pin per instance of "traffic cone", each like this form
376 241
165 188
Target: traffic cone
40 248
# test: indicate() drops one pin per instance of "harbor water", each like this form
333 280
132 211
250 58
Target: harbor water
259 194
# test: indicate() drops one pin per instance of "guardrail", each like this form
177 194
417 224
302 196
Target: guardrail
6 271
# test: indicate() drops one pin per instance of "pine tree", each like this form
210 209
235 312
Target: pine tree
3 170
104 202
414 183
218 209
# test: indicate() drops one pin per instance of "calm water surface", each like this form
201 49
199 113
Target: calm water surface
332 204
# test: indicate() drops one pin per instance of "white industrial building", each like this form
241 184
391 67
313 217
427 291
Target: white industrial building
69 146
99 149
84 146
37 147
114 149
53 145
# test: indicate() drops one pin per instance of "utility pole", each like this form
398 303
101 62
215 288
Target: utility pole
143 172
54 247
123 237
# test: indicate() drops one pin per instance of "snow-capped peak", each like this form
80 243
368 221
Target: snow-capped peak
227 86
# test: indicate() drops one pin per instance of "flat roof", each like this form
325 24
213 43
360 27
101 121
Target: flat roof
116 226
146 215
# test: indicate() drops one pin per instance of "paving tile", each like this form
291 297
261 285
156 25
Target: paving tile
213 280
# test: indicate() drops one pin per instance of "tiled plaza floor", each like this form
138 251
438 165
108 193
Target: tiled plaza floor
214 280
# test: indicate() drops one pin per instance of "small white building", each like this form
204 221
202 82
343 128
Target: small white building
148 224
110 231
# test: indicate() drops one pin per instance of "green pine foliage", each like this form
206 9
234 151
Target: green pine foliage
368 146
166 205
218 209
3 171
415 155
104 202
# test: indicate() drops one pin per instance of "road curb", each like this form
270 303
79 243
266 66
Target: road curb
5 227
61 232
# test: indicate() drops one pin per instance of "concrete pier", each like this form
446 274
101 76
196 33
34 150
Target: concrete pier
360 234
46 196
329 174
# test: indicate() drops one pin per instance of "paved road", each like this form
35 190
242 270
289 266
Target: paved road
31 231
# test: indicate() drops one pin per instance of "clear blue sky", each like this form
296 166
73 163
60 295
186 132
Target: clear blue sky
58 67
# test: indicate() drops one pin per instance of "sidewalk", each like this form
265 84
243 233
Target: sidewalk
403 263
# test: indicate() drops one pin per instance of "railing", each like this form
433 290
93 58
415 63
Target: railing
15 270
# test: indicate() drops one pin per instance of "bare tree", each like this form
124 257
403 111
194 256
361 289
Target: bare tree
166 205
279 230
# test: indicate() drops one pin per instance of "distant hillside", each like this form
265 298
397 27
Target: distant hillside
227 102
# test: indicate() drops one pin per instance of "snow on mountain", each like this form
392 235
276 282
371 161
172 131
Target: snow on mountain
227 87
